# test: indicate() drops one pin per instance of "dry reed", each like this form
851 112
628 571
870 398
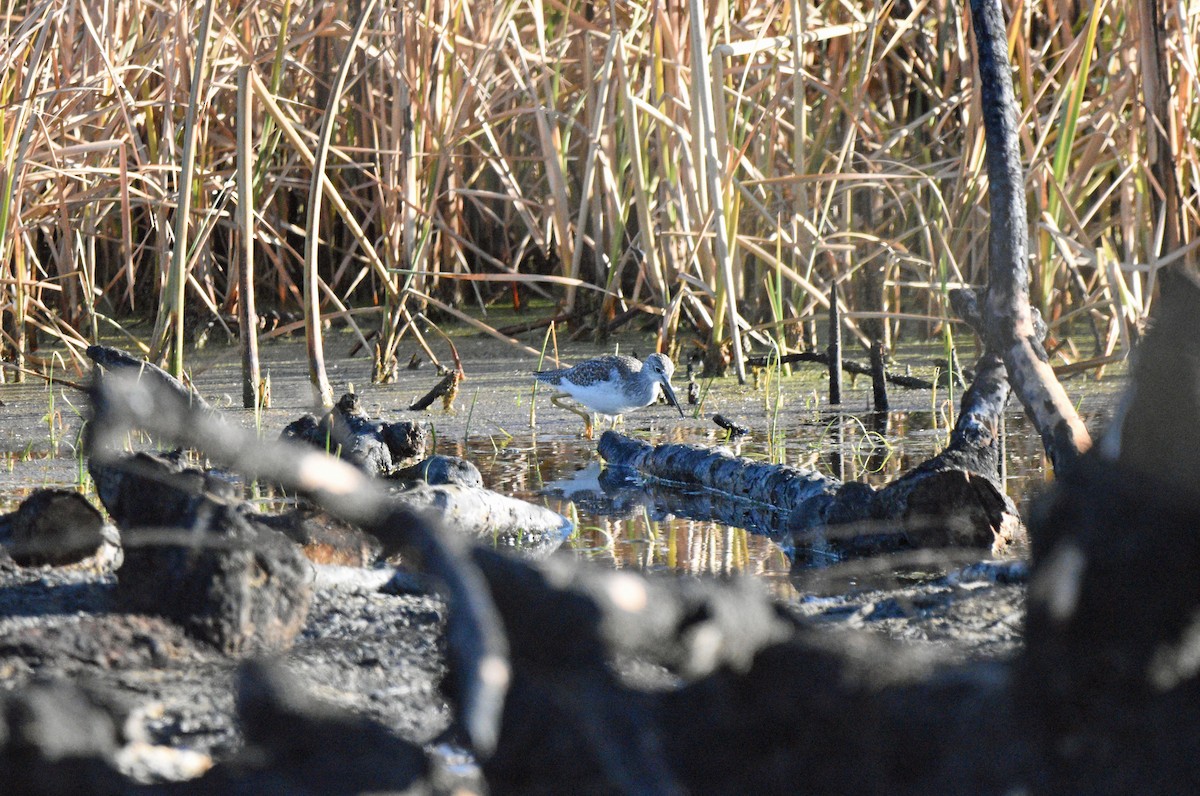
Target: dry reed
606 156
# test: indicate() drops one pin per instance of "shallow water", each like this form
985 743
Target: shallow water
540 456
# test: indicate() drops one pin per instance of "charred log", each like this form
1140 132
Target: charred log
835 347
299 745
879 395
476 645
116 360
55 738
240 586
323 538
448 386
474 512
1113 639
54 526
375 447
442 469
953 499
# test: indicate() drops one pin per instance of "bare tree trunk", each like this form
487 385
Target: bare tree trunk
1008 319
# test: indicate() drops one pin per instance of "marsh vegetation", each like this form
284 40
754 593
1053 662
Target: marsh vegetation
685 167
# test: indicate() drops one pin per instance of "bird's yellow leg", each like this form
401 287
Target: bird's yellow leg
557 398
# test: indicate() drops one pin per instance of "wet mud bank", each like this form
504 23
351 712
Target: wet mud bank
158 646
899 678
374 652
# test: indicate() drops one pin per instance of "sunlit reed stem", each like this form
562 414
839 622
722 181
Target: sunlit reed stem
247 317
322 391
706 133
177 275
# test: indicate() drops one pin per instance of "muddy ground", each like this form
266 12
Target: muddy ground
380 654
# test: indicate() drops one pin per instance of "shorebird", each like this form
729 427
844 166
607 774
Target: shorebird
612 385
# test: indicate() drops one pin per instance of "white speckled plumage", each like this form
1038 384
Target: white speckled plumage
613 385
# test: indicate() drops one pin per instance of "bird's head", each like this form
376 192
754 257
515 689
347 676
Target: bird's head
663 368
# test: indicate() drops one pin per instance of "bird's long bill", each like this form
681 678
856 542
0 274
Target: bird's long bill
670 393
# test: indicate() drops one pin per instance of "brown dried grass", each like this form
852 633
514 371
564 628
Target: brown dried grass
482 141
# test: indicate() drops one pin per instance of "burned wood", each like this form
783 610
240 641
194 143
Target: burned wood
1166 385
376 447
442 469
405 440
324 539
848 365
733 428
55 738
627 495
447 386
236 584
474 512
879 393
244 590
54 526
475 641
716 468
116 360
299 745
749 671
835 347
964 302
358 344
49 379
952 499
1112 604
622 318
938 504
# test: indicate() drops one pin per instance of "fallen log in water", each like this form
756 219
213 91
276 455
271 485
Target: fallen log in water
933 506
950 500
953 499
717 469
620 492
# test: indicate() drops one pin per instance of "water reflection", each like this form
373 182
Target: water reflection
626 524
629 524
